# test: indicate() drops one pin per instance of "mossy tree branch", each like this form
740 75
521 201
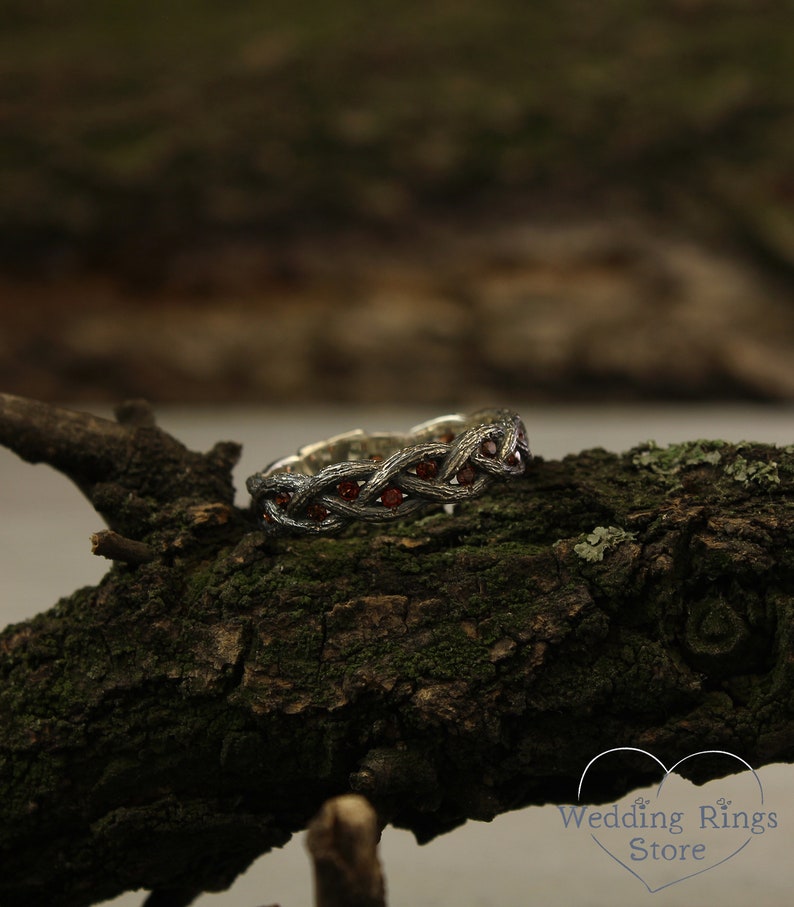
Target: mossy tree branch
193 710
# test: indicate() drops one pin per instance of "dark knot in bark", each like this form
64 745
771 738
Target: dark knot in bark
717 636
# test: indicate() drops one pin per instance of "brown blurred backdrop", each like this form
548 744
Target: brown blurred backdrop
389 203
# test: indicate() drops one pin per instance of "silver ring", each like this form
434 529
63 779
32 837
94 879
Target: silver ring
382 477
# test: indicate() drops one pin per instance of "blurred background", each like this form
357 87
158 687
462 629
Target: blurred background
418 202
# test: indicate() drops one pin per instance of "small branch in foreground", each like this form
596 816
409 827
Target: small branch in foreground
343 841
116 547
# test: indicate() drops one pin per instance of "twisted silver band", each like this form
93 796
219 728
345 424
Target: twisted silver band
382 477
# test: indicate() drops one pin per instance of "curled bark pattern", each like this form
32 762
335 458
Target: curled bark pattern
167 727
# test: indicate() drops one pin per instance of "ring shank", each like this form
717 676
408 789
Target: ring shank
360 445
351 446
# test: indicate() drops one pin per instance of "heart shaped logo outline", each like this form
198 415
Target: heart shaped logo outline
667 772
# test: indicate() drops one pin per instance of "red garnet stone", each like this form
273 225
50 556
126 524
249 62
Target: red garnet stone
466 474
282 498
316 512
488 448
348 489
427 469
391 497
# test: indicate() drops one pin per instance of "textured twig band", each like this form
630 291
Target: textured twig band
381 477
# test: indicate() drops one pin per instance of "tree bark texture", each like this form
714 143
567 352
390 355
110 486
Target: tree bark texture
198 706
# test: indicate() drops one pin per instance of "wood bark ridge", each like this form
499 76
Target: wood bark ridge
198 706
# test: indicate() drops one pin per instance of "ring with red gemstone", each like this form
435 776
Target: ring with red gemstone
380 476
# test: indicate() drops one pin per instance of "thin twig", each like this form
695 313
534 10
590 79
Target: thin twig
109 544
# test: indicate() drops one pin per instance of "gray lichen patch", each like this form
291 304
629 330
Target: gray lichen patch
668 462
601 540
758 472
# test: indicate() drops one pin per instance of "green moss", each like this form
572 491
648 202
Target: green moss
450 656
